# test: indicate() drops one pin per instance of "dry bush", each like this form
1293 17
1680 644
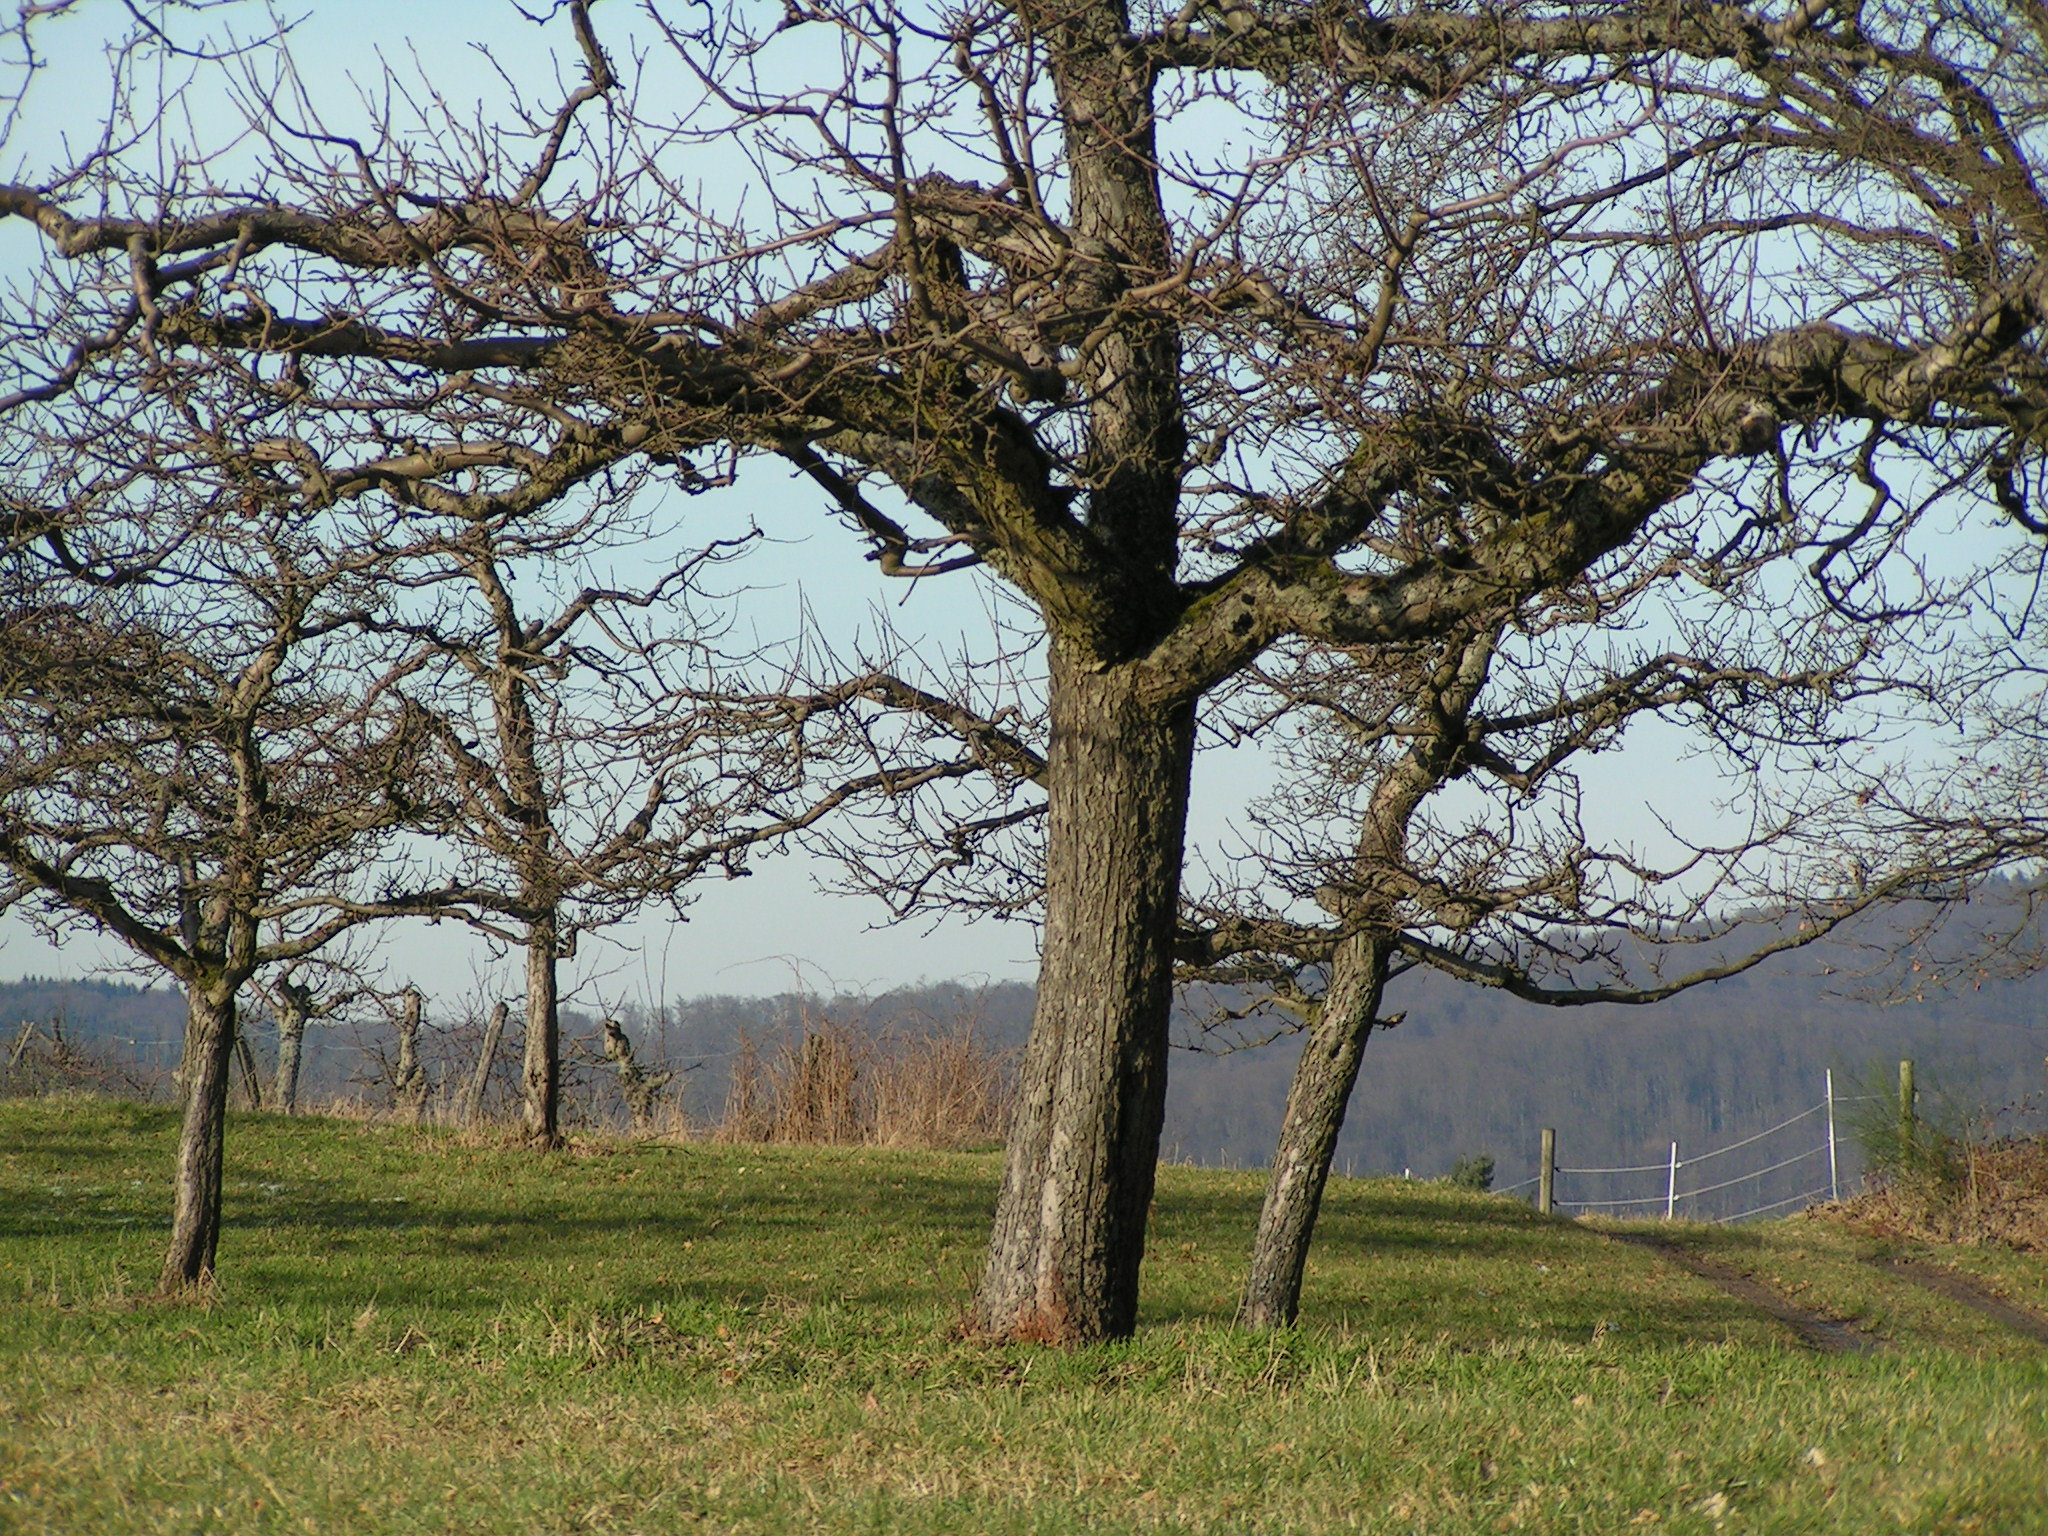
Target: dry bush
37 1060
833 1083
944 1090
1993 1193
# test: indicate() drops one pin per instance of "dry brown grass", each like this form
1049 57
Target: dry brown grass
1990 1194
836 1085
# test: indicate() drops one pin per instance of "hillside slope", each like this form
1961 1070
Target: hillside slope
414 1332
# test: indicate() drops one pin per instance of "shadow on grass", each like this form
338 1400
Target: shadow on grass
472 1228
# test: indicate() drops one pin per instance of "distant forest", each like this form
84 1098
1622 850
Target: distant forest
1468 1071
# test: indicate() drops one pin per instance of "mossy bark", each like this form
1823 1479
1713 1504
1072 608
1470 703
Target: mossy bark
1077 1182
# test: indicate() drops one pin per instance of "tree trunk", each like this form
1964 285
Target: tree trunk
1323 1080
410 1081
1084 1142
543 1071
291 1036
245 1058
195 1222
1328 1069
486 1058
637 1086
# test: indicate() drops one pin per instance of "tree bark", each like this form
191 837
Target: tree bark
1084 1143
410 1081
1316 1101
543 1067
195 1222
245 1057
486 1058
637 1086
291 1037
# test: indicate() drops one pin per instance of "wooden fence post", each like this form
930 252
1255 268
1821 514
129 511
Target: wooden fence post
1546 1173
1908 1105
245 1058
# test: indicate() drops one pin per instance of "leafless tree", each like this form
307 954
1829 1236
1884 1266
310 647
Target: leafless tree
182 767
1203 330
588 778
601 756
303 989
1433 815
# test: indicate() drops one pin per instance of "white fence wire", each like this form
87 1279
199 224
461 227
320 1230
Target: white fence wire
1674 1196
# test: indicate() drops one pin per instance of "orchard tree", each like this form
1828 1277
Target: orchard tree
595 751
303 989
584 779
1204 330
197 760
1432 813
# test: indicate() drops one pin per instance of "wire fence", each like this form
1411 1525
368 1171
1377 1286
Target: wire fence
1691 1185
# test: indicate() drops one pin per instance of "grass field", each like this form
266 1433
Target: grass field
413 1334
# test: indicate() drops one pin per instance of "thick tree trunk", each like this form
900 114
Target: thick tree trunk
1084 1142
291 1038
195 1220
1323 1080
543 1069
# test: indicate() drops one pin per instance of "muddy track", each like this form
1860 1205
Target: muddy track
1955 1287
1826 1335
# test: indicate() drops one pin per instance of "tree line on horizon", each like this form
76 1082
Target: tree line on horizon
1467 1073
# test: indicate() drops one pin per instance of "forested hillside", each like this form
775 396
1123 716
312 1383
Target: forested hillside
1468 1071
142 1025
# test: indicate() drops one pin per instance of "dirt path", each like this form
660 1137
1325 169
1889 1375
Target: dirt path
1827 1335
1947 1283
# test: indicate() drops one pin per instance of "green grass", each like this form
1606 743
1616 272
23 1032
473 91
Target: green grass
416 1335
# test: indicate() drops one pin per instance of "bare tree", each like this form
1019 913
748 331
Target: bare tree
1199 329
589 779
1505 886
303 989
179 769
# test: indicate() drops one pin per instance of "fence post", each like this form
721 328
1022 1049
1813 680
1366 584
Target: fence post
1546 1174
1834 1177
1908 1105
1671 1189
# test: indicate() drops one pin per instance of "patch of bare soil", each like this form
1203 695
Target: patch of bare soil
1827 1335
1961 1288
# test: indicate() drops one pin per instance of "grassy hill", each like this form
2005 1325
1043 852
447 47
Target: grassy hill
416 1333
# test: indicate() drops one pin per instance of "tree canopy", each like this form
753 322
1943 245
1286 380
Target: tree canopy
1211 333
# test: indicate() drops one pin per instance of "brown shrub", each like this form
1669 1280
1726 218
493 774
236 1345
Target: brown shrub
1995 1193
832 1083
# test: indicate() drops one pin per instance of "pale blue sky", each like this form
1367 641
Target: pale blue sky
773 930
